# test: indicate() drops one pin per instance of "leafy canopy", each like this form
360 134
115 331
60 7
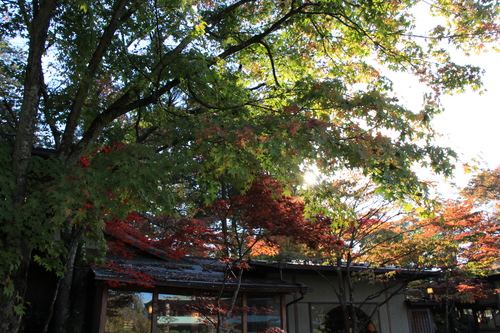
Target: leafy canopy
202 93
224 88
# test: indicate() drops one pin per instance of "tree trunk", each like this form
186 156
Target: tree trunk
452 317
446 307
62 310
353 322
342 295
15 280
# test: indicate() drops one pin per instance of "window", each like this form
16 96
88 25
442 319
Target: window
265 312
146 312
421 321
328 318
127 312
193 314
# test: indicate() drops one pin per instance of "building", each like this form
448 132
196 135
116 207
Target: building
142 290
145 291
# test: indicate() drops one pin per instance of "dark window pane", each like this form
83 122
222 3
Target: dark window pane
264 312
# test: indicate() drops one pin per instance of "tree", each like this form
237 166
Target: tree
357 225
484 190
460 241
456 236
347 223
244 221
201 91
229 231
126 307
349 228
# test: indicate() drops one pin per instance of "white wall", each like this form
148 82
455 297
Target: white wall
391 317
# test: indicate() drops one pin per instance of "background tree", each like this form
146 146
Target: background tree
356 225
200 90
126 309
257 216
460 241
228 231
484 190
346 223
356 215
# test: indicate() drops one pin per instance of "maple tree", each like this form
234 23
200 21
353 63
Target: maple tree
484 186
258 214
245 221
484 190
455 237
203 91
343 224
357 225
228 231
351 218
459 240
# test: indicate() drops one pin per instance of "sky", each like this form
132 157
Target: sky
470 121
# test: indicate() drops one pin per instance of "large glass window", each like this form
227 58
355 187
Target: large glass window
264 312
138 312
192 314
127 312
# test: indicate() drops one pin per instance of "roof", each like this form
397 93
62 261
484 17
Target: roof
304 267
154 269
151 267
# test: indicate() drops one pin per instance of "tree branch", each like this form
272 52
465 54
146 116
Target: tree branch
273 68
95 61
126 102
121 106
258 38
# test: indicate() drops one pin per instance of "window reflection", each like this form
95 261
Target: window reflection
264 313
138 312
191 314
127 312
177 314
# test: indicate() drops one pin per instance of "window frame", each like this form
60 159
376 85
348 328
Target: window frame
104 294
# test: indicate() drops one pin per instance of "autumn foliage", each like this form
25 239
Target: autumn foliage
456 237
261 220
458 240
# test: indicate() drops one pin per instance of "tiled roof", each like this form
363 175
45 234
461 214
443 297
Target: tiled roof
155 270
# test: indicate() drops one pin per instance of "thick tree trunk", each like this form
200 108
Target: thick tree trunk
15 237
80 298
25 132
62 310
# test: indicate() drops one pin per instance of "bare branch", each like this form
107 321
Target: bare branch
270 55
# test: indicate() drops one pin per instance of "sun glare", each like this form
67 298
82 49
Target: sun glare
310 178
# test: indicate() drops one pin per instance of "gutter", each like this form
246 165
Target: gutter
302 290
